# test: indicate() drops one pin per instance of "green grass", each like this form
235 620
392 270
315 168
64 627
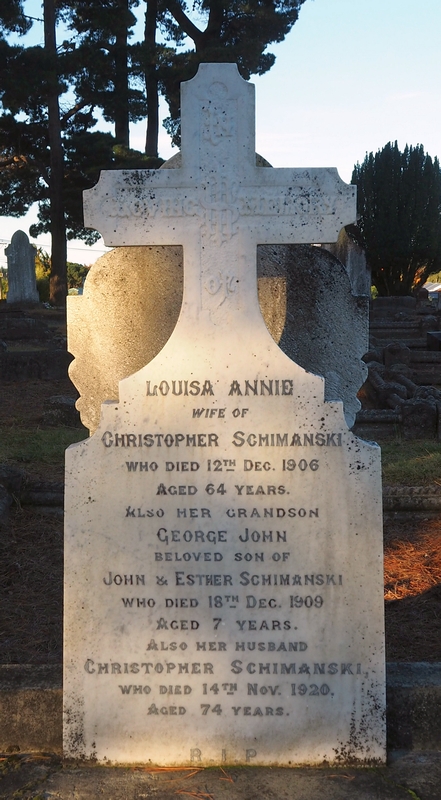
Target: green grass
38 446
411 463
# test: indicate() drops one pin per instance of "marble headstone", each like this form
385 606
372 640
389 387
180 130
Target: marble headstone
223 548
306 298
133 295
130 304
22 286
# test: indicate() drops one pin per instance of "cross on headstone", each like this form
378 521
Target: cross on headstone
219 205
223 587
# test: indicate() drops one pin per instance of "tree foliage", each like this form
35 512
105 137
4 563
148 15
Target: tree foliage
50 149
99 56
12 17
399 217
76 274
237 31
25 169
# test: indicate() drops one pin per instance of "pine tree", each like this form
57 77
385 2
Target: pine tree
237 31
12 18
100 60
399 217
48 152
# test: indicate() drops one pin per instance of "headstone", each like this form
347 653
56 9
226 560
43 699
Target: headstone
128 310
133 297
353 257
22 286
223 591
325 328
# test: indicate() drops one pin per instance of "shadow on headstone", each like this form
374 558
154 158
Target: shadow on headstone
132 299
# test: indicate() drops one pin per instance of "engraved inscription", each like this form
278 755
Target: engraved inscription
222 543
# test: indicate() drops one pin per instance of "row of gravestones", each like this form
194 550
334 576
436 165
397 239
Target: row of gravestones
296 284
18 329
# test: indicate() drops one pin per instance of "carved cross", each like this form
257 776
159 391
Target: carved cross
219 205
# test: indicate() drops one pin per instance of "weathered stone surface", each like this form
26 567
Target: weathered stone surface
413 708
132 300
396 353
223 593
326 328
414 705
434 340
372 428
22 287
130 305
15 326
387 305
353 257
30 708
412 499
43 493
148 281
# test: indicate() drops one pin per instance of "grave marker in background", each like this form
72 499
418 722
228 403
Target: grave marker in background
22 286
223 599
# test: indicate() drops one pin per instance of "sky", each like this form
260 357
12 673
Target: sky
351 76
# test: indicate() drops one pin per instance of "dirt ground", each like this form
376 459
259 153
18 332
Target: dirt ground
31 777
31 564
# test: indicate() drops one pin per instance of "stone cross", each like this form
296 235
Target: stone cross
223 583
219 205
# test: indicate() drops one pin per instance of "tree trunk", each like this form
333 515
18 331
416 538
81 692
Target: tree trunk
58 277
121 84
151 79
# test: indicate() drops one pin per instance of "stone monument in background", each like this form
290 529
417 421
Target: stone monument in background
223 543
22 285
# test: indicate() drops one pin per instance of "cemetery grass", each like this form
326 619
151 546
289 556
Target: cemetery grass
31 543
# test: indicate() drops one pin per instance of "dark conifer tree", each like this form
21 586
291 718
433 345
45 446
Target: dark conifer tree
100 60
12 18
399 217
48 150
237 31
